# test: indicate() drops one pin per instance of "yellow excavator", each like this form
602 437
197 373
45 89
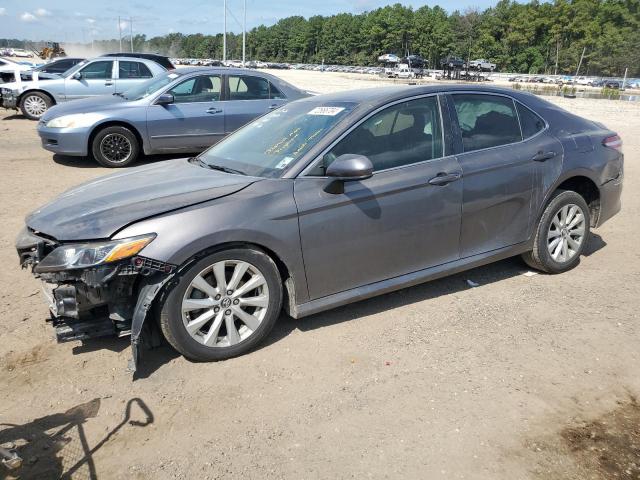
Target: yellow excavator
52 50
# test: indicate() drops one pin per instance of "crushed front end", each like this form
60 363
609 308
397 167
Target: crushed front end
94 289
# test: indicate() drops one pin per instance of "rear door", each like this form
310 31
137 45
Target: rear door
96 78
248 97
502 172
130 74
194 121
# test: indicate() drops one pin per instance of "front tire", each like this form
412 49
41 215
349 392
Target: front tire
562 234
34 104
115 147
223 306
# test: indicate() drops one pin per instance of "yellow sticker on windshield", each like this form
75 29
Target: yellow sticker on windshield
329 111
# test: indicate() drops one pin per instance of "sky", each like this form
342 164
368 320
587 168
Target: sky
81 20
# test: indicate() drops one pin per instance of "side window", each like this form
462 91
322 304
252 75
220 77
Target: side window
486 120
248 88
98 70
205 88
407 133
133 70
275 93
529 121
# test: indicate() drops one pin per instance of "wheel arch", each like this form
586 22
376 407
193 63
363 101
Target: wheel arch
286 276
34 90
115 123
583 182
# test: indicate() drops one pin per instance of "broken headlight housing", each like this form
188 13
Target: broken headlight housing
86 255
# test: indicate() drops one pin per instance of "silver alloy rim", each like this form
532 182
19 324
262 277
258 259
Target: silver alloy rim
566 233
35 105
225 303
115 147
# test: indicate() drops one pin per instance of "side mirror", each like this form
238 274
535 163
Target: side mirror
165 99
77 76
346 168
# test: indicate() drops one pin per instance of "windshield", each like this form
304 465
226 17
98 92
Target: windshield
272 143
150 86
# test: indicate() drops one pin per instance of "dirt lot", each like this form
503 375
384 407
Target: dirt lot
522 377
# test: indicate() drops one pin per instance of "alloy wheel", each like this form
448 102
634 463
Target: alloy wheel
116 148
34 105
566 233
225 303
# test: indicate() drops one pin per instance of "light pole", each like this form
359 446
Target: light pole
224 35
131 32
120 33
244 33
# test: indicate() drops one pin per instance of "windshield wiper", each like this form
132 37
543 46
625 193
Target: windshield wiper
216 167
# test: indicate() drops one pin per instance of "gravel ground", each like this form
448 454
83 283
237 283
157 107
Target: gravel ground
521 377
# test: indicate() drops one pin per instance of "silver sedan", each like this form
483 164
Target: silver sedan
182 111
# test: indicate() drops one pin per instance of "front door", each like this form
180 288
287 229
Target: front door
96 78
400 220
194 121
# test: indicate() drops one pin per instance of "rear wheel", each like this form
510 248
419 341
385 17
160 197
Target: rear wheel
562 234
34 104
223 306
115 147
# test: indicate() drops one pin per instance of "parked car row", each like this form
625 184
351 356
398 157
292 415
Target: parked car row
569 80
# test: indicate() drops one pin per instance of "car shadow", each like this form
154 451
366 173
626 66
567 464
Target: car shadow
56 445
14 116
487 274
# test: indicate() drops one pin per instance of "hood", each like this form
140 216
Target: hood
99 208
100 103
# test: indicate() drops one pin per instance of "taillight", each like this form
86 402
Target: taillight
614 141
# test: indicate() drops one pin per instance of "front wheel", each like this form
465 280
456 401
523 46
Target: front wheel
562 234
115 147
223 306
34 104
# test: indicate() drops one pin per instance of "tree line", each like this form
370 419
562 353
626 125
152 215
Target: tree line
534 37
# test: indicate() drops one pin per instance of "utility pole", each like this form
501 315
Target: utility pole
120 33
131 32
624 80
580 62
555 72
244 33
224 35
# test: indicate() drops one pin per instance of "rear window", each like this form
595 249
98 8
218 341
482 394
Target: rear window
529 121
486 121
133 70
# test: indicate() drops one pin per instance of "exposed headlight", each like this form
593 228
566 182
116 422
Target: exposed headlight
78 120
6 91
84 255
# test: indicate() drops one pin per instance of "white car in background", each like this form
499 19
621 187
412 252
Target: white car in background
482 64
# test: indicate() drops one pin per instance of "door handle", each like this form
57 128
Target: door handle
444 178
543 156
274 106
213 110
108 84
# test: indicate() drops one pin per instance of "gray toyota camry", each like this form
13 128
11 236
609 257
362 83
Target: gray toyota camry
325 201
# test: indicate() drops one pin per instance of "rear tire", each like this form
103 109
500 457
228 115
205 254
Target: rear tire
206 322
562 234
34 104
115 147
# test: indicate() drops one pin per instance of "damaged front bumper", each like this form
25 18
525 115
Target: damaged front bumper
105 300
8 99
